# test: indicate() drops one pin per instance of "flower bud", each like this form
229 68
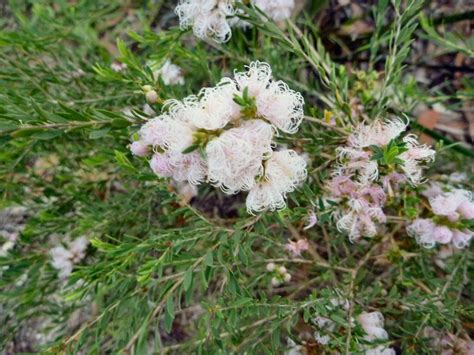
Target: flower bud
275 282
271 267
151 96
287 277
282 270
139 148
147 88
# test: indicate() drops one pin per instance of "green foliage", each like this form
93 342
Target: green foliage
173 276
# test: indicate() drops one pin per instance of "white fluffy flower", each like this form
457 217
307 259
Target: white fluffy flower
380 350
181 167
216 107
378 133
153 132
208 18
256 78
448 204
360 221
235 157
284 171
412 158
356 157
63 259
178 127
168 131
422 230
275 101
170 73
139 148
372 323
281 106
277 10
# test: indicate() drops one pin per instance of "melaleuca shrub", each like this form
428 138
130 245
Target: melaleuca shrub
232 177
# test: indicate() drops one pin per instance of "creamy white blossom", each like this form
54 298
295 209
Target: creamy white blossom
284 171
208 18
356 157
373 325
216 106
215 18
64 259
275 101
277 10
224 135
181 167
449 203
412 158
170 73
235 158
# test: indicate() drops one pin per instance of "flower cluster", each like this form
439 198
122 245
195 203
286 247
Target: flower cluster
215 18
224 135
451 210
326 326
375 160
63 259
280 274
12 223
446 343
296 248
372 323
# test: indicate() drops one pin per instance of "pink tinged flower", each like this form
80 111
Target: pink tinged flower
296 248
442 234
284 172
447 204
423 231
433 190
355 161
341 185
235 157
178 127
466 209
393 180
360 220
187 167
154 131
160 164
413 157
376 194
378 133
312 220
139 148
461 239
